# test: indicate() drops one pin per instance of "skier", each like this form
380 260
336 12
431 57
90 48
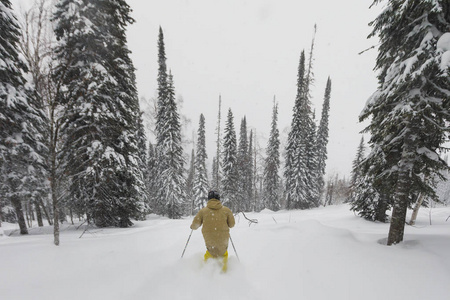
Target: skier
217 221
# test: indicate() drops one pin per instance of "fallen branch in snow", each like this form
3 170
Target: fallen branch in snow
86 230
275 220
81 224
250 221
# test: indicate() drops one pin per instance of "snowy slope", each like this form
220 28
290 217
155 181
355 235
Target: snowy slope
325 253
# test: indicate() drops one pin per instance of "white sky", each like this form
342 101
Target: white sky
248 51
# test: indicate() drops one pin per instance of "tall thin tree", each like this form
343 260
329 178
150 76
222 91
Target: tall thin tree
322 139
201 186
229 164
271 179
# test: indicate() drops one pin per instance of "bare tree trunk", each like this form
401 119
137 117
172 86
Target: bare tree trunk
71 215
416 209
47 215
401 197
38 213
29 214
19 212
382 206
55 219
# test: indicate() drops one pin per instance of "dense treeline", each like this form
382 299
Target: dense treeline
70 113
73 142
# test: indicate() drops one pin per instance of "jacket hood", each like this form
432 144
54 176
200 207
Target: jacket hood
214 204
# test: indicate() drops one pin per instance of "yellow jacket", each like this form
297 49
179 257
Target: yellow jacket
217 221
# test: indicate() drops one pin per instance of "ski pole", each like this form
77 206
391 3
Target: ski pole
187 243
234 249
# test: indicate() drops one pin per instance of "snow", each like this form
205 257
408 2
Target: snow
443 44
325 253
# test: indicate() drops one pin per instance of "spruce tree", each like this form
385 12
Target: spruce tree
322 139
151 179
172 182
100 151
363 195
271 179
356 173
229 165
245 169
142 165
168 141
190 184
250 178
216 180
21 121
412 100
309 135
201 187
299 150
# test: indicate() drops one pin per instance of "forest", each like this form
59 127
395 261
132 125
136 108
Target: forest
73 144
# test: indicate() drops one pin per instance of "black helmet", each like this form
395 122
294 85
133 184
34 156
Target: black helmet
213 195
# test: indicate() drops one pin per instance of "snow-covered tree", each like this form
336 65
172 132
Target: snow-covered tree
172 193
293 173
250 185
322 139
190 184
21 122
271 179
412 101
229 165
100 152
216 180
300 165
356 172
172 182
151 178
201 186
244 162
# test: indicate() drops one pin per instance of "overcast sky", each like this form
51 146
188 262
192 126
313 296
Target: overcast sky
248 51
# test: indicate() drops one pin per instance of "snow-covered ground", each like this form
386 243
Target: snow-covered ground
325 253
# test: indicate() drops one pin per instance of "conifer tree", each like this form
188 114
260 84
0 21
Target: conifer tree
412 100
142 165
363 196
292 192
271 195
190 184
216 180
151 179
172 182
100 153
309 135
229 165
250 189
21 121
300 157
322 139
168 141
201 178
245 169
356 173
